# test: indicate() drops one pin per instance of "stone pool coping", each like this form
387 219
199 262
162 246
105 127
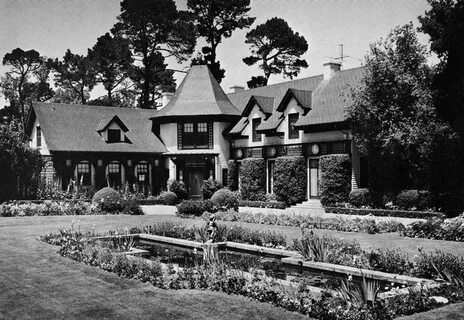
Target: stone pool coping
287 257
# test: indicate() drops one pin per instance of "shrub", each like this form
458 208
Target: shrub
290 179
441 265
225 199
108 200
335 178
195 207
179 188
450 229
263 204
209 187
407 199
132 207
253 179
392 261
169 198
360 198
232 175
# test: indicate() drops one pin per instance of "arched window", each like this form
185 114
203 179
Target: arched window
113 171
83 173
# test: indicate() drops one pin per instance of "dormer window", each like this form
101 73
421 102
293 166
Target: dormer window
255 124
114 135
293 133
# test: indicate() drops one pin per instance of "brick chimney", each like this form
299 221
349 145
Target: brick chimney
237 88
330 69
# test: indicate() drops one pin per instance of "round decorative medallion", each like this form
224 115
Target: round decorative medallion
315 149
271 152
238 153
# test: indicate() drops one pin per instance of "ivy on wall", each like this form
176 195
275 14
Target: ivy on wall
253 179
290 179
335 178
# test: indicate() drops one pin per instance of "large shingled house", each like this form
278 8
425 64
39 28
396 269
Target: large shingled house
194 135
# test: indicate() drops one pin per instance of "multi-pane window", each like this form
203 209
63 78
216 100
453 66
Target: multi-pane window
39 137
293 133
256 136
83 173
338 147
114 174
114 135
142 173
195 135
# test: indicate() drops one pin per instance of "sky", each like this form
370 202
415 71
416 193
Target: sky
53 26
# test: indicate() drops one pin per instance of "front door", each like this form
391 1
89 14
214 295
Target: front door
195 183
314 178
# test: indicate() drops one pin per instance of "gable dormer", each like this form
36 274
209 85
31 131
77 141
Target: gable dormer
113 130
302 98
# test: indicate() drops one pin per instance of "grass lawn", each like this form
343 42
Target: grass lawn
37 283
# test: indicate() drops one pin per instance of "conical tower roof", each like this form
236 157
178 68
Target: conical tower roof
199 94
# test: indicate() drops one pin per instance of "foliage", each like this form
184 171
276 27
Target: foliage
112 59
290 179
217 20
439 229
360 198
413 200
155 30
108 200
21 165
194 207
224 199
48 208
253 179
169 198
263 204
179 188
232 175
209 187
335 178
132 207
389 260
385 212
277 47
74 72
26 81
295 220
392 116
439 265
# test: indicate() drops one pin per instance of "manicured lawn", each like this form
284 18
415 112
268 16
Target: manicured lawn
37 283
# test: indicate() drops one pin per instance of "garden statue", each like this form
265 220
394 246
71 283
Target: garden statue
211 228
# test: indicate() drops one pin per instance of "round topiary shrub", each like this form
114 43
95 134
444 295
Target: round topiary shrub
179 188
225 199
169 198
360 198
108 200
209 187
408 199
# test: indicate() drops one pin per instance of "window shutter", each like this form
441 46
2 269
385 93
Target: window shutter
210 135
179 136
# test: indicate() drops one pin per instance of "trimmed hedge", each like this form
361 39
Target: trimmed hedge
232 175
179 188
225 199
253 179
263 204
385 213
290 179
408 199
195 207
108 200
335 178
209 187
360 197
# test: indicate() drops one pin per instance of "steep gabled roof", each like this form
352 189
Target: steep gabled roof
265 104
71 127
238 128
199 94
303 99
272 123
331 99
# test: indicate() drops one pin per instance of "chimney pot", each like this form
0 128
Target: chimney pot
330 69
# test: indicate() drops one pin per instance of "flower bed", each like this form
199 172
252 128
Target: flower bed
61 208
385 213
263 204
349 301
438 229
296 220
